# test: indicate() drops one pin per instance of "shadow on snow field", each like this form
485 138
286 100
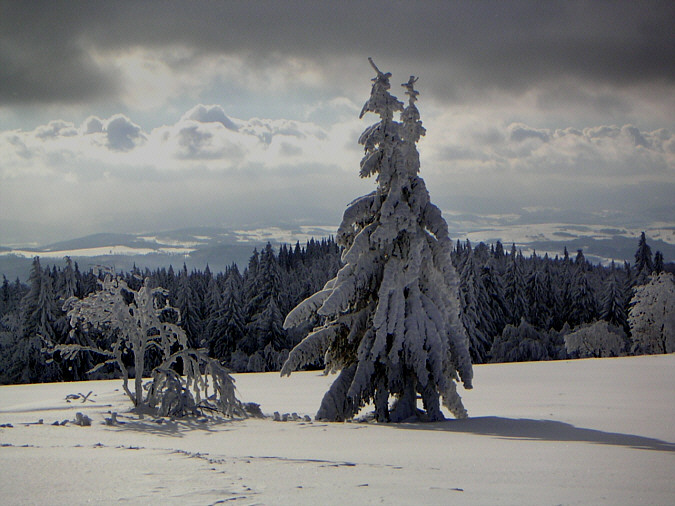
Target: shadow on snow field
541 430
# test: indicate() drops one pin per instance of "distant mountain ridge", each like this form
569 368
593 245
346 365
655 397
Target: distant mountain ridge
220 247
195 247
94 241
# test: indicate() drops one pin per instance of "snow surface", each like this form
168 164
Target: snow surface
281 235
99 251
597 431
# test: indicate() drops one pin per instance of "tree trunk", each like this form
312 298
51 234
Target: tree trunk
139 356
405 406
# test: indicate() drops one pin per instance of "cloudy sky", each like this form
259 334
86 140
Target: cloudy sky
149 116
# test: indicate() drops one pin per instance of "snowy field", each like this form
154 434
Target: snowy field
596 431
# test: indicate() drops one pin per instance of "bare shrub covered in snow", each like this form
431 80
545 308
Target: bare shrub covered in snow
652 315
598 339
129 324
391 315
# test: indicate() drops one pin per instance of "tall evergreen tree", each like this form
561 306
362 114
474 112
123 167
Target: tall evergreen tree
613 301
188 304
213 299
475 305
514 287
391 321
658 262
499 253
496 309
250 287
227 327
265 315
68 281
644 265
39 307
5 296
39 313
539 298
583 306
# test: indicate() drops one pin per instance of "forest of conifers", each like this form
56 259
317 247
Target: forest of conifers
515 308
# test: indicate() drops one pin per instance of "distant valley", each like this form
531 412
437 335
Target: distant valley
220 247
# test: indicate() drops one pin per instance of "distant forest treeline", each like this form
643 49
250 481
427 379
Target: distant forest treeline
515 308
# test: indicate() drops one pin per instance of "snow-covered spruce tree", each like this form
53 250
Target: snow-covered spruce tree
136 322
391 315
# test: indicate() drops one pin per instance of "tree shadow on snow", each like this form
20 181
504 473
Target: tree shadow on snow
541 430
174 428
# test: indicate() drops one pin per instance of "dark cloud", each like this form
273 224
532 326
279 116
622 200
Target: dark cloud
634 133
42 58
520 133
210 114
288 149
54 129
123 135
192 141
92 125
456 45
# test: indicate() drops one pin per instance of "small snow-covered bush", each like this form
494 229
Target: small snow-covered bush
598 339
652 315
239 361
256 363
205 385
170 396
267 359
124 324
523 343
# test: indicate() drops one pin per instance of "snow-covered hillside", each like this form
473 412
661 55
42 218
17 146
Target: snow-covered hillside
594 431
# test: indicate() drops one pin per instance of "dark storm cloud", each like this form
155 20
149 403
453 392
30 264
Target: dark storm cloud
479 45
42 58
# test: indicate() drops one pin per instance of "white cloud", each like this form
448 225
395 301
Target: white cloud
473 146
208 164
